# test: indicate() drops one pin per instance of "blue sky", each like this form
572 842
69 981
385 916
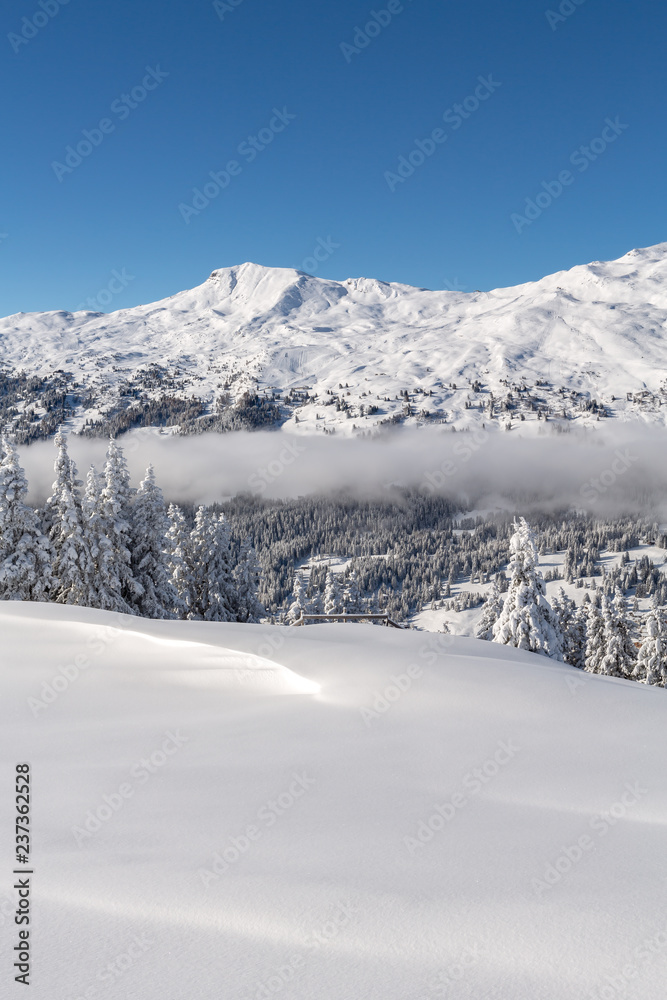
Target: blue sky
305 121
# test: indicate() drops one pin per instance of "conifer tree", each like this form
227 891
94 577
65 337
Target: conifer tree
577 638
179 552
332 599
116 513
66 479
101 586
491 610
651 665
527 620
299 604
595 641
246 576
25 554
149 557
620 653
73 567
352 594
214 594
314 599
572 628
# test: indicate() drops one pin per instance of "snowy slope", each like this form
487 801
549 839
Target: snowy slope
598 329
317 807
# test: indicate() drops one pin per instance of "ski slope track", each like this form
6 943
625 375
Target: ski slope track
599 331
246 811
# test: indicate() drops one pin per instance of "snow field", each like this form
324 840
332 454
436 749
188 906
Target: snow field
464 622
278 840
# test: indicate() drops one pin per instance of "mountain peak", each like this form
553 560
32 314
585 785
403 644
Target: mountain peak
592 340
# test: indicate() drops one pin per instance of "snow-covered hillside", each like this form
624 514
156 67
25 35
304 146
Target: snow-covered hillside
589 341
334 811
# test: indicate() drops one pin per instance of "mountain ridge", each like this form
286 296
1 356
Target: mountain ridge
588 342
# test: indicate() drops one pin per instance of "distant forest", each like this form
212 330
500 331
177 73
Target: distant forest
409 550
109 545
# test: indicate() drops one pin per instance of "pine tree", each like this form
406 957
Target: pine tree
73 566
332 599
246 576
619 652
179 551
651 665
352 594
572 628
527 620
116 513
493 605
25 554
299 602
595 641
214 594
314 599
66 479
149 557
101 585
576 640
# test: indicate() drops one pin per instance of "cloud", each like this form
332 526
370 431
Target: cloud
604 471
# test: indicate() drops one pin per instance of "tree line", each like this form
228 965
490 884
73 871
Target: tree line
408 549
105 545
595 636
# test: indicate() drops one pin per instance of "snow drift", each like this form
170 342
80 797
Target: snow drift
396 814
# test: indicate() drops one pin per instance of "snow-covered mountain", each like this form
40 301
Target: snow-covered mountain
583 343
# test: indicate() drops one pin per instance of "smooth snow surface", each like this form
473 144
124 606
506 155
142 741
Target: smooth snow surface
325 899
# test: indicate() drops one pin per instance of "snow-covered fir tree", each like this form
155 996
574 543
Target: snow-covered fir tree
351 594
651 665
179 552
314 600
576 640
527 620
620 652
493 605
246 576
66 479
332 595
101 586
116 513
299 604
595 640
572 628
74 570
214 596
25 554
149 557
